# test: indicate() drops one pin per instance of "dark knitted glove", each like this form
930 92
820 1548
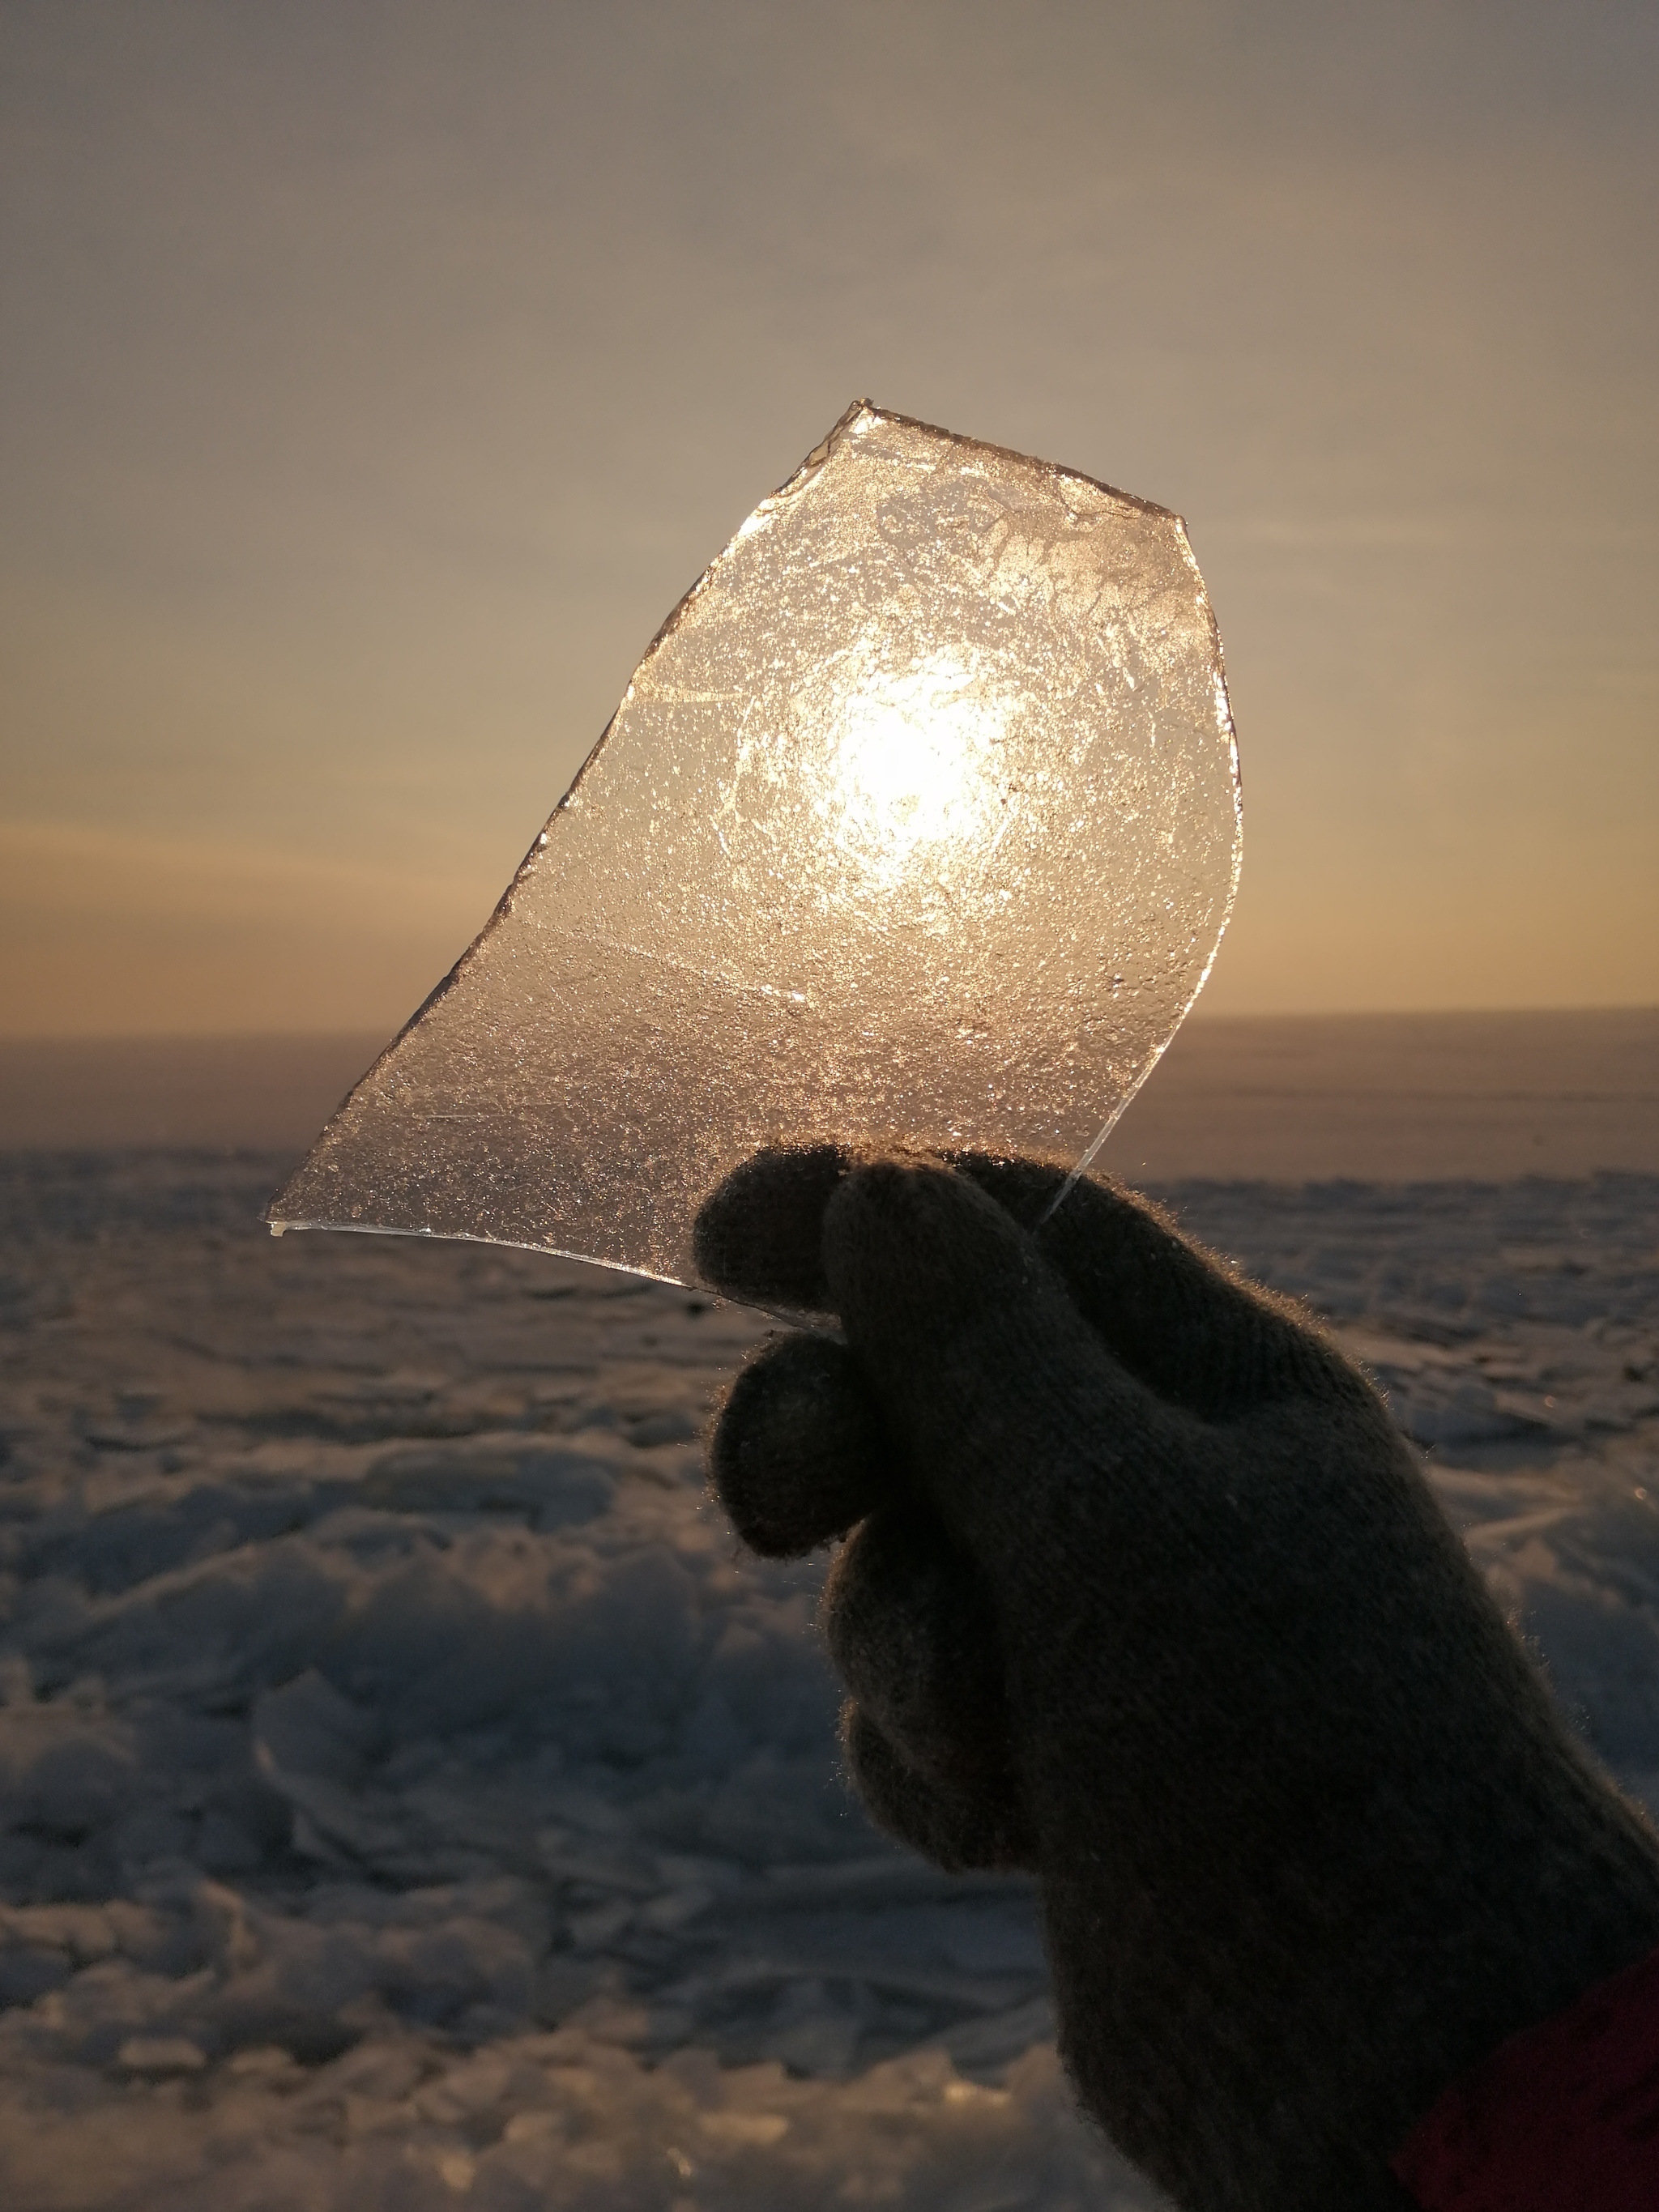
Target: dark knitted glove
1144 1592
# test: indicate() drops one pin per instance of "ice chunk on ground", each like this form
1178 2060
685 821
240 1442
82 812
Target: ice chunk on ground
919 821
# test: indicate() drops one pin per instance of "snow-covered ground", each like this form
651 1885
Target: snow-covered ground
409 1798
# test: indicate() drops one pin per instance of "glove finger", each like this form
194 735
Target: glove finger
1176 1316
798 1454
913 1633
996 1392
958 1829
759 1237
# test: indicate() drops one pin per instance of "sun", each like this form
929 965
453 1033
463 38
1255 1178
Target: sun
913 764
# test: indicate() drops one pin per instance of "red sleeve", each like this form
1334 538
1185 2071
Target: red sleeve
1563 2118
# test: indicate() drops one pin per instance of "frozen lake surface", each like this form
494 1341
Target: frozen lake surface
409 1799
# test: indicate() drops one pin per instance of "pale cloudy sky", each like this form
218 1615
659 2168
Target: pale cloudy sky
377 373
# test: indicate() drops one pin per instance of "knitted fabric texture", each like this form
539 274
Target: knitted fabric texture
1144 1592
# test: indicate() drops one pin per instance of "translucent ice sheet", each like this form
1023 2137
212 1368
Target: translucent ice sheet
918 822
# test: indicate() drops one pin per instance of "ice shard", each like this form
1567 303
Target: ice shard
918 822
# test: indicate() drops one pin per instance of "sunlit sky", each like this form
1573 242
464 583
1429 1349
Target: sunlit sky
378 374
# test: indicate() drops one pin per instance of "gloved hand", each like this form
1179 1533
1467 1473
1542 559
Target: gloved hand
1145 1593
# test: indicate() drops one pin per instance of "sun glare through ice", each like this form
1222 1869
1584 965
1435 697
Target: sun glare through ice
912 760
